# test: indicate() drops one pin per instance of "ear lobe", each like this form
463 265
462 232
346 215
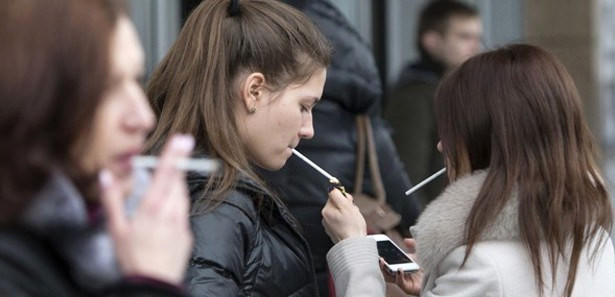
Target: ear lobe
252 90
430 41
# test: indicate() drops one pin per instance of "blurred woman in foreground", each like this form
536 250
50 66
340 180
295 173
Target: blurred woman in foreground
73 115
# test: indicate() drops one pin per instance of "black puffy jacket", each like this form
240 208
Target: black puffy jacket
250 245
352 87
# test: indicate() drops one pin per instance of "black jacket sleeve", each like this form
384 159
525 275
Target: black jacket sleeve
127 288
29 268
121 289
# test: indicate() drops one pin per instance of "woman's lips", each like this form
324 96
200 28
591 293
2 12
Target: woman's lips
123 162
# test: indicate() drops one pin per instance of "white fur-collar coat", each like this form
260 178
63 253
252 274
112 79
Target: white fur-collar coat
499 264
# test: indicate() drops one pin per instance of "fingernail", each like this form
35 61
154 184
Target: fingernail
182 142
105 178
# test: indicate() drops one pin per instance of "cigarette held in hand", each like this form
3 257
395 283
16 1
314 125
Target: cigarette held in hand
333 180
198 165
426 181
322 171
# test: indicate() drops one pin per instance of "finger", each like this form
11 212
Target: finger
178 202
328 211
332 209
338 200
410 243
385 272
345 194
399 279
348 197
407 282
112 201
184 201
167 174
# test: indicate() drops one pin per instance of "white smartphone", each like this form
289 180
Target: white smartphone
393 256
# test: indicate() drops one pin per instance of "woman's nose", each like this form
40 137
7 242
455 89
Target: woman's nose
141 116
307 130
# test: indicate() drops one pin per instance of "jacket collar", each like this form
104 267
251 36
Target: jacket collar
267 203
426 70
59 215
57 206
441 226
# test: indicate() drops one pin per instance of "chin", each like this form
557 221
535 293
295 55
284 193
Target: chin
124 178
274 166
121 173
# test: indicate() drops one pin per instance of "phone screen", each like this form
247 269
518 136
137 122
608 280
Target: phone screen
391 254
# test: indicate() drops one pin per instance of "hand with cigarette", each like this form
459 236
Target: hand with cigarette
342 218
156 242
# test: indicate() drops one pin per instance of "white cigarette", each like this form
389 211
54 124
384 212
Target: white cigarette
322 171
198 165
426 181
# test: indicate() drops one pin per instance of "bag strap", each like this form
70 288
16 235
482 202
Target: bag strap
374 168
360 155
365 137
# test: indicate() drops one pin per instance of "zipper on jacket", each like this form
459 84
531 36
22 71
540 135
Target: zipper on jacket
283 209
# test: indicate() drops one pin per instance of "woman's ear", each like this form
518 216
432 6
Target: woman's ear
252 91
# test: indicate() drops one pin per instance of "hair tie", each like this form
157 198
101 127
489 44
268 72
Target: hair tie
233 8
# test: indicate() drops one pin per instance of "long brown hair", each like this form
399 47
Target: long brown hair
517 112
194 89
55 57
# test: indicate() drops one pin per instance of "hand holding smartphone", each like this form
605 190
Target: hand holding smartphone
394 256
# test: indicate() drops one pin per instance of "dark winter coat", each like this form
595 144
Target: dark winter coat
250 245
58 249
409 109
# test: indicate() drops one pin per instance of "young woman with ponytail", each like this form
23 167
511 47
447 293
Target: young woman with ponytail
242 78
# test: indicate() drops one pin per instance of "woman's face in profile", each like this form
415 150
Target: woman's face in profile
281 121
123 118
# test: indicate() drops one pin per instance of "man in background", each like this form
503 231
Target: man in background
449 32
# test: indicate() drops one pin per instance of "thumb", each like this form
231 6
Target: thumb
113 203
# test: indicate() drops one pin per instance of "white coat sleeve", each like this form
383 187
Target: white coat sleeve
354 266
